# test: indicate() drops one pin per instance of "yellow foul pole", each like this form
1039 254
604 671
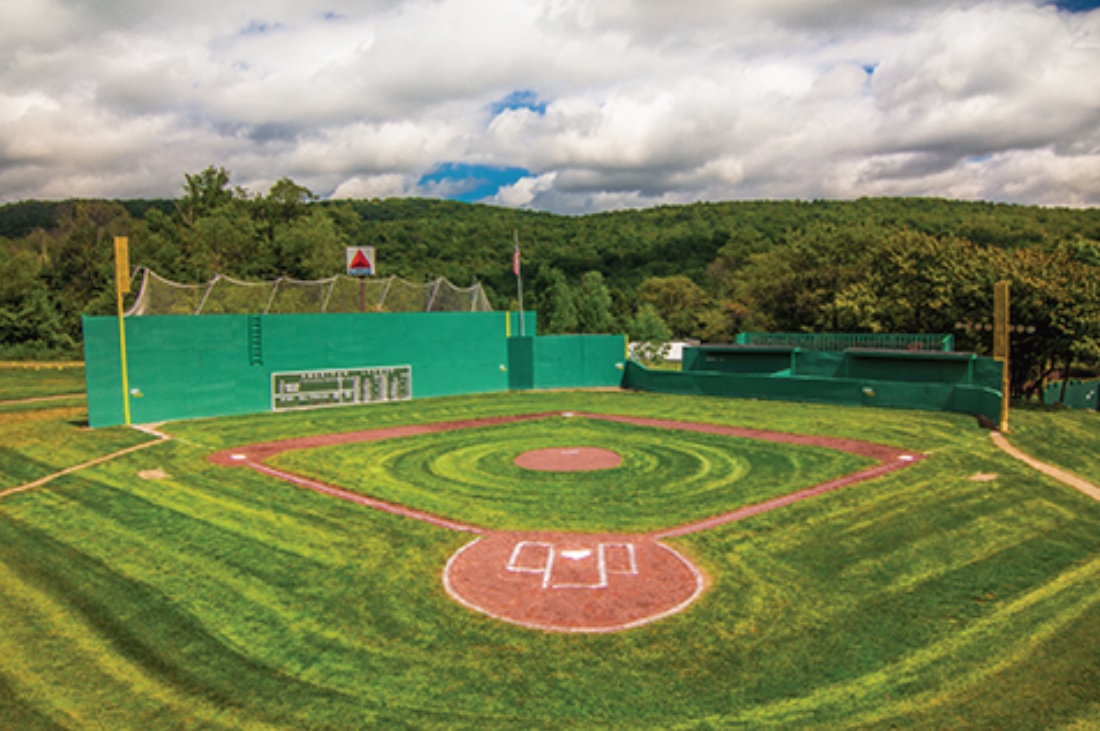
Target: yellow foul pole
1001 348
122 286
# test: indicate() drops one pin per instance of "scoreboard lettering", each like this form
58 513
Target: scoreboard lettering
315 389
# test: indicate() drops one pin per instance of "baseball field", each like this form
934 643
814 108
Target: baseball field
393 567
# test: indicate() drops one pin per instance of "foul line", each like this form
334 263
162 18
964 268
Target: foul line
160 437
369 502
1068 478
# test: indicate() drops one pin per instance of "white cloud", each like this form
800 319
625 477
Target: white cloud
646 101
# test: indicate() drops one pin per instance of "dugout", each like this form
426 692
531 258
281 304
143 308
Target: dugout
925 379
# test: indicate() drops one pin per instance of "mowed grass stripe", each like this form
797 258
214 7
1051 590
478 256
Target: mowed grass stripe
666 477
864 608
113 644
234 614
217 574
37 443
956 666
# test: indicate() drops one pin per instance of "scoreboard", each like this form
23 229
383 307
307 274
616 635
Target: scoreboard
314 389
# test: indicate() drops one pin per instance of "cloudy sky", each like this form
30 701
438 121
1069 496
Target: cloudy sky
562 105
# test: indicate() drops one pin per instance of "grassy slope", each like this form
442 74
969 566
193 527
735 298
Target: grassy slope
28 380
1065 438
222 599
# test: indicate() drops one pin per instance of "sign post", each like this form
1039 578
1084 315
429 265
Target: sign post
361 264
122 286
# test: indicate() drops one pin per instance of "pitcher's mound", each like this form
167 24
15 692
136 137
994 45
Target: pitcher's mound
569 459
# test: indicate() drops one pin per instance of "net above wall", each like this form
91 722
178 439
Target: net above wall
227 296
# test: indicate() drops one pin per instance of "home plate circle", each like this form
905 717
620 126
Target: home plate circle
569 459
564 582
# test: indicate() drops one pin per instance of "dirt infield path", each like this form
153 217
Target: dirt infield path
570 582
1057 473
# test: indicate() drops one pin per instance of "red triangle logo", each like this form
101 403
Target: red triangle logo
360 261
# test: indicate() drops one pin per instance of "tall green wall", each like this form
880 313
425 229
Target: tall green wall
566 361
189 366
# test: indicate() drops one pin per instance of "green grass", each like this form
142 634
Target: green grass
1067 438
218 598
39 441
28 380
665 479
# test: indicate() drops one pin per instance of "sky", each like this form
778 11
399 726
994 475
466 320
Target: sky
569 106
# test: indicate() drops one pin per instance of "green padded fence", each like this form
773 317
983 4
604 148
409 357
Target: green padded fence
844 341
1078 394
566 361
935 381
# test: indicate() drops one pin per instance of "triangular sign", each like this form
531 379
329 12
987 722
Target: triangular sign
360 261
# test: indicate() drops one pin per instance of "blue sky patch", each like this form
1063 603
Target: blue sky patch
1076 6
472 183
519 99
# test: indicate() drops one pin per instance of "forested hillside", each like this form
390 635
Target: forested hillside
704 271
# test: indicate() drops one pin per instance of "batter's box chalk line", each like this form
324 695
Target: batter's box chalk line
573 568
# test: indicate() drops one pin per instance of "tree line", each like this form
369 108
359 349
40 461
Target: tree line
704 271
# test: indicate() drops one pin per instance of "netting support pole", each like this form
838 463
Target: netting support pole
328 295
385 292
209 289
431 298
271 297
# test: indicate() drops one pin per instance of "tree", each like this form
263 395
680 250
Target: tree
204 193
650 333
557 305
285 202
1056 295
594 305
679 302
797 286
29 324
310 247
917 283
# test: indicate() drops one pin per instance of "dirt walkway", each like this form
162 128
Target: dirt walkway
1061 475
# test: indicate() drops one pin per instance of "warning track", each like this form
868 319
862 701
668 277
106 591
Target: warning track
570 582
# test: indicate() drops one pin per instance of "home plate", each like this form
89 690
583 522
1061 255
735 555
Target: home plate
572 582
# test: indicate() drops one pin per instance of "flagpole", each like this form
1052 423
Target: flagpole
519 279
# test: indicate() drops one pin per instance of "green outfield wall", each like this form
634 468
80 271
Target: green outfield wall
935 381
1074 394
566 361
182 367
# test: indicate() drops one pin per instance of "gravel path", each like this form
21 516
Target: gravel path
1061 475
